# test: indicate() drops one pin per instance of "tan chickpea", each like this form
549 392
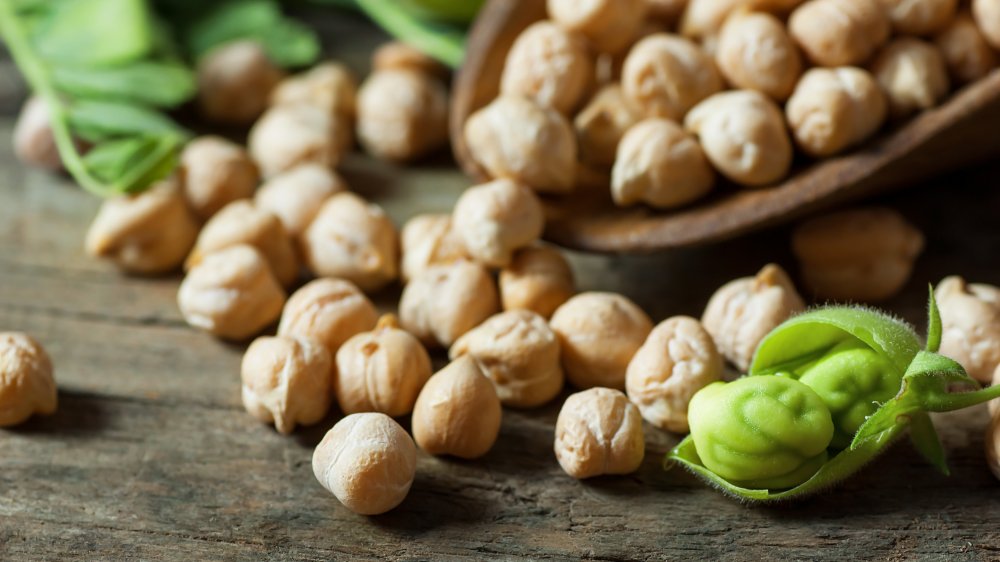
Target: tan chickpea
835 108
666 75
601 124
678 359
286 381
329 86
354 240
743 311
668 11
381 371
240 222
496 218
919 17
216 173
661 165
598 432
519 353
296 196
287 136
607 24
444 301
27 386
538 279
599 333
839 32
549 65
396 55
743 135
912 74
146 233
428 240
966 53
34 143
234 82
970 317
458 412
857 255
992 445
516 138
328 310
994 405
703 19
402 114
367 461
755 52
231 293
987 16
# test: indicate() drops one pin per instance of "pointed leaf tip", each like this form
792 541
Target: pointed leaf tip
933 322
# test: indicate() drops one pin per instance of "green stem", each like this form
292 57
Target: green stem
440 42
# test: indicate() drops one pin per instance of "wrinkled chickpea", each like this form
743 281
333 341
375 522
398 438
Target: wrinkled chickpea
367 461
33 141
661 165
381 371
444 301
328 310
538 279
216 172
231 293
402 114
857 255
296 196
966 53
396 55
286 381
458 412
702 19
743 311
496 218
516 138
839 32
609 25
987 16
912 74
666 75
678 359
601 124
146 233
428 240
549 65
835 108
27 386
743 135
970 318
519 353
287 136
992 445
598 432
919 17
599 334
329 86
235 80
755 52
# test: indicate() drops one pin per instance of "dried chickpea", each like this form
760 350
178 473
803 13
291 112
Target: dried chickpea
607 24
668 11
33 141
354 240
966 53
496 218
857 255
396 55
329 86
381 371
661 165
235 80
231 293
755 52
666 75
743 135
992 443
458 412
516 138
702 19
519 353
216 173
601 124
835 108
549 65
970 318
912 74
147 233
994 405
286 381
743 311
328 310
27 386
599 333
444 301
367 461
538 279
677 360
839 32
987 16
287 136
599 431
919 17
296 196
402 114
240 222
428 240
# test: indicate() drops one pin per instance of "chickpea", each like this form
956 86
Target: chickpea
919 17
445 301
402 114
354 240
994 405
231 293
599 432
668 11
33 141
234 82
367 461
496 218
966 53
607 24
216 173
515 138
992 442
519 353
396 55
743 311
839 32
241 223
666 75
27 386
987 16
601 124
428 240
146 233
331 311
703 19
458 412
678 359
286 381
296 196
660 164
329 86
548 65
287 136
538 279
835 108
970 318
599 333
755 52
912 74
381 371
857 255
743 135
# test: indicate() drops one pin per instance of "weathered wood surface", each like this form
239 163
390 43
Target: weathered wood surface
152 457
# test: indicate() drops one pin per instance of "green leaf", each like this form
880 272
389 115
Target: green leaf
162 84
933 322
96 121
444 42
925 438
286 41
131 164
96 32
289 44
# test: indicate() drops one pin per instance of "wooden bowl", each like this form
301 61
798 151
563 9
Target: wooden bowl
963 130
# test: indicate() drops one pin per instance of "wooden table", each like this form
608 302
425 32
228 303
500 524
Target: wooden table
151 456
